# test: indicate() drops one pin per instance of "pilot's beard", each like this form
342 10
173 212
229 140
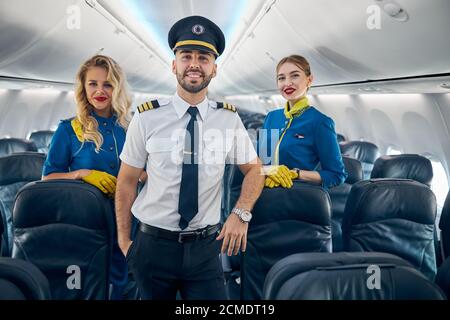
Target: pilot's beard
194 88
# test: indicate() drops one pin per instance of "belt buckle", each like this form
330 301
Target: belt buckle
181 235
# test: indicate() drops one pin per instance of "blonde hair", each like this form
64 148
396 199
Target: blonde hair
121 101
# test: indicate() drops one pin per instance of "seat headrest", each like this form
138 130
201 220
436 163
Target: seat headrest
13 145
55 201
404 166
24 280
354 170
381 199
42 138
21 167
305 202
345 276
362 150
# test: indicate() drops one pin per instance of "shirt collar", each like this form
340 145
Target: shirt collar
182 106
103 119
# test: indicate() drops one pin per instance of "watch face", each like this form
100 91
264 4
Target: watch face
246 216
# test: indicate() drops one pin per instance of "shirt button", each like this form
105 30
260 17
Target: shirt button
112 165
105 123
108 131
111 148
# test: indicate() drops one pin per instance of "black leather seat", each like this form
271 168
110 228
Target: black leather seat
443 277
407 166
42 139
348 276
16 170
13 145
444 225
232 182
339 195
395 216
285 221
364 151
2 229
21 280
232 271
404 166
65 228
254 124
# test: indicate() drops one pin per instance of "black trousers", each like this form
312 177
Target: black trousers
162 267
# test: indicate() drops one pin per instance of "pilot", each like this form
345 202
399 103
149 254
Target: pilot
184 142
87 147
305 136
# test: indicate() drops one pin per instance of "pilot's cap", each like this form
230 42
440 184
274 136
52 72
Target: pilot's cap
197 33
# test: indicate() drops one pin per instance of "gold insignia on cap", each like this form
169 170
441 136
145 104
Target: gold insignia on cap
198 29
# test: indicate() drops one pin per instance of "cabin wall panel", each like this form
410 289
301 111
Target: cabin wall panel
415 123
24 111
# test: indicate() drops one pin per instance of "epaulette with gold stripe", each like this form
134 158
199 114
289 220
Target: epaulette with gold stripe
154 104
226 106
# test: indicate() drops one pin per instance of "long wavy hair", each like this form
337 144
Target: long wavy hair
121 101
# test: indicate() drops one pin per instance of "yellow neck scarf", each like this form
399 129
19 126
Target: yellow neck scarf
297 109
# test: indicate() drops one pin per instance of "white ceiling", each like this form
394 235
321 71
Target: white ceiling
35 42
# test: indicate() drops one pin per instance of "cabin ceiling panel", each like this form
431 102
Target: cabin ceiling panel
334 37
339 33
50 54
36 43
267 45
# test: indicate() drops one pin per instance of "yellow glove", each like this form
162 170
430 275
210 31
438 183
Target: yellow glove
102 180
269 183
281 175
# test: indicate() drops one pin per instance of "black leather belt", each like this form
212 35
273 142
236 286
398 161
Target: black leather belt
180 236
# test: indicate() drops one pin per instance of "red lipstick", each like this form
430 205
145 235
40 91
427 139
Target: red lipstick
289 90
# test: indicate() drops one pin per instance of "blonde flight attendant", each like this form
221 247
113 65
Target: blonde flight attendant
87 146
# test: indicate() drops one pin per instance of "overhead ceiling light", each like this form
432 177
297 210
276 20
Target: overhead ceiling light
394 10
369 89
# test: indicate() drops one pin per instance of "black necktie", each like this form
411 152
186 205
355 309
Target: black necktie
188 202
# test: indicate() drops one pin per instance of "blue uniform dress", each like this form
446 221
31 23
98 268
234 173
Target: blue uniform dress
67 154
309 140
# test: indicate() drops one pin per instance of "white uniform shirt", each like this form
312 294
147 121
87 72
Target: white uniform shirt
156 138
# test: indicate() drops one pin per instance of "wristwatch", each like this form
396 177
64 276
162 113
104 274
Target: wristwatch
244 215
298 172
